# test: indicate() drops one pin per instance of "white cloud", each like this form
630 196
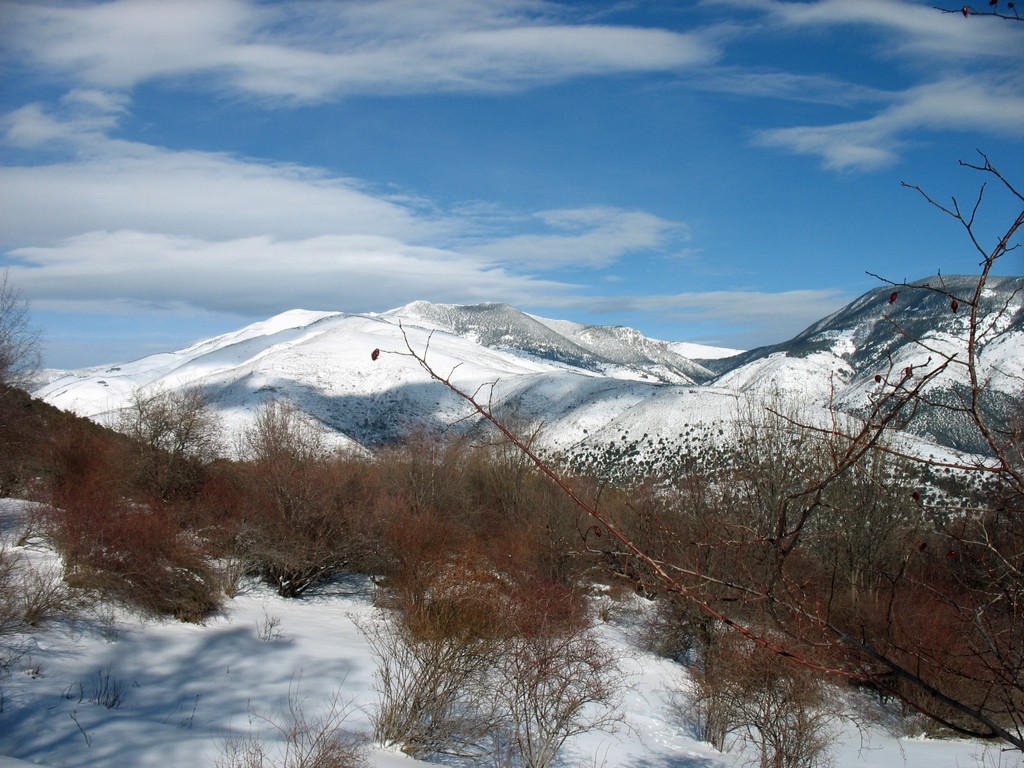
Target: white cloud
125 222
594 237
915 30
122 43
100 102
108 184
741 319
865 145
812 88
82 117
960 104
994 104
306 52
967 72
259 275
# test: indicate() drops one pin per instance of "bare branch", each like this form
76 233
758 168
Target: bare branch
967 11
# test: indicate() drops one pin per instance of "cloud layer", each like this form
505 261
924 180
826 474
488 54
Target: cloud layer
313 51
118 219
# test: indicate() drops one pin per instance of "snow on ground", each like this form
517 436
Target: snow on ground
185 690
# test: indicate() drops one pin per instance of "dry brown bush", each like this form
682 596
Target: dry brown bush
294 535
123 549
137 556
489 664
305 509
22 443
433 656
552 679
747 695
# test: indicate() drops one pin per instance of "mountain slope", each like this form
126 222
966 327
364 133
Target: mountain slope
606 397
838 358
609 350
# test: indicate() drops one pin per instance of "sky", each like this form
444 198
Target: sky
723 172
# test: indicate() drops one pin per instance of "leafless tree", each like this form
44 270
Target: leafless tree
746 696
281 433
178 434
19 341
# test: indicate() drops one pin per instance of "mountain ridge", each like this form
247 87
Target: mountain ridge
605 395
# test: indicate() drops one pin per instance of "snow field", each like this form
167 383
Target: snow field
113 689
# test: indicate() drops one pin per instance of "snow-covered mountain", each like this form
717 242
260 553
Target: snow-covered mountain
882 333
616 351
604 395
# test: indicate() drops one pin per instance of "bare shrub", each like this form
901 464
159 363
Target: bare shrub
231 570
302 502
675 628
268 628
297 740
176 433
437 498
482 664
31 596
281 434
11 617
88 469
432 663
501 472
135 555
753 697
130 551
301 525
22 442
107 691
42 595
416 542
550 684
428 472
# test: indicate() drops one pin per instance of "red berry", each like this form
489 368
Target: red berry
375 354
893 296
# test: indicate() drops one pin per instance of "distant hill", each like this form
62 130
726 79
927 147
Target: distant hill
607 397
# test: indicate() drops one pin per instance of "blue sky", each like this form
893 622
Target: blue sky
725 171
